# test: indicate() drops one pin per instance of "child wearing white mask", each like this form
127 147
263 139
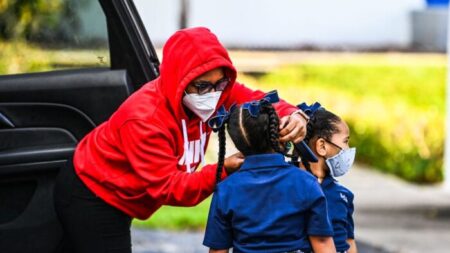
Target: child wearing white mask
328 138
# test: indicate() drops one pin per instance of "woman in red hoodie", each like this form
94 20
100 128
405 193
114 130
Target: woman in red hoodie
146 155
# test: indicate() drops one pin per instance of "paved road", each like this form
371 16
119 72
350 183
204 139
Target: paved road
150 241
398 216
391 216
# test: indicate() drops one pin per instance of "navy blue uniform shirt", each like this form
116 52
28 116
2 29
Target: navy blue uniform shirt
340 210
267 206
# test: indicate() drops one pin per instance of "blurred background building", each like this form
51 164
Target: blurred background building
293 24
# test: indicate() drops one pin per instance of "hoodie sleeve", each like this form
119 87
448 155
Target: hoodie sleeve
241 94
150 153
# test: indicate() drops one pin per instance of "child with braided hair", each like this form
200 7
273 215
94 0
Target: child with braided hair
268 205
328 138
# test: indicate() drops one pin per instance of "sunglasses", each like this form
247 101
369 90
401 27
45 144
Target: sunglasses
204 87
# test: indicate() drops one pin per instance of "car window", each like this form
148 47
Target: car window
43 35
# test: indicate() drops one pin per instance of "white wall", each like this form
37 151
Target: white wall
288 23
160 17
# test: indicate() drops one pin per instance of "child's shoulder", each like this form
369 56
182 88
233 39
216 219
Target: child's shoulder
290 174
344 190
295 171
304 179
231 181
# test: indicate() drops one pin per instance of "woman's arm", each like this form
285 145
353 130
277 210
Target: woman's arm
218 250
352 248
151 154
292 125
322 244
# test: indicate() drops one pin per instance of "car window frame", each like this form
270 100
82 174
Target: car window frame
134 51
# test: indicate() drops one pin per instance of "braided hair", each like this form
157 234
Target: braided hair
255 135
222 146
251 133
322 124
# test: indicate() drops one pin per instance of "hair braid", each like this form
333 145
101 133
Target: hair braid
220 163
252 134
274 124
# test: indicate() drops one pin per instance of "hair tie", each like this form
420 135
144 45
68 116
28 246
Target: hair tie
222 116
309 110
254 107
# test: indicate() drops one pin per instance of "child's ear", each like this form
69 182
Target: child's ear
320 147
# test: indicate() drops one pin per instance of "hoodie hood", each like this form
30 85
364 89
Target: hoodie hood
186 55
134 161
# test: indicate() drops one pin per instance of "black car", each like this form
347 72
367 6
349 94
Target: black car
43 116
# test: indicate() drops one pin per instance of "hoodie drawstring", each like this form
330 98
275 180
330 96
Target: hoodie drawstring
187 157
202 144
187 152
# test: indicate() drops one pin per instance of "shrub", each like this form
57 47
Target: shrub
395 111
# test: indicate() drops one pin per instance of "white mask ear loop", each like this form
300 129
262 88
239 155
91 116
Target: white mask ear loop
187 157
202 144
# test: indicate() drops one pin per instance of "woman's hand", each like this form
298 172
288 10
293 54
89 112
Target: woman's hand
292 128
233 162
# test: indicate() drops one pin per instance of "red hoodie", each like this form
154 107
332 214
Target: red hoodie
135 161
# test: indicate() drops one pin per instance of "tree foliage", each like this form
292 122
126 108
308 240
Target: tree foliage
38 20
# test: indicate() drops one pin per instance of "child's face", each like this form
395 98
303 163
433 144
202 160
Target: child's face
341 137
325 149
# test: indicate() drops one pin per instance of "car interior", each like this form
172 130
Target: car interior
43 115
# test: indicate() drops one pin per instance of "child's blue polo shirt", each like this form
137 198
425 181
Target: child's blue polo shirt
267 206
340 210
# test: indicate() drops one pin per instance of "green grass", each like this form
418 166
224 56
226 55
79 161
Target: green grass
393 103
417 86
178 218
396 111
19 57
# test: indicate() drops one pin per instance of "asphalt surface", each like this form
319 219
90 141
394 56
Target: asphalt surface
391 216
398 216
155 241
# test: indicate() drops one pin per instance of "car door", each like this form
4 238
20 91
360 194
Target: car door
43 115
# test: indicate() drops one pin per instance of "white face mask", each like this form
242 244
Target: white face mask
341 162
202 105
